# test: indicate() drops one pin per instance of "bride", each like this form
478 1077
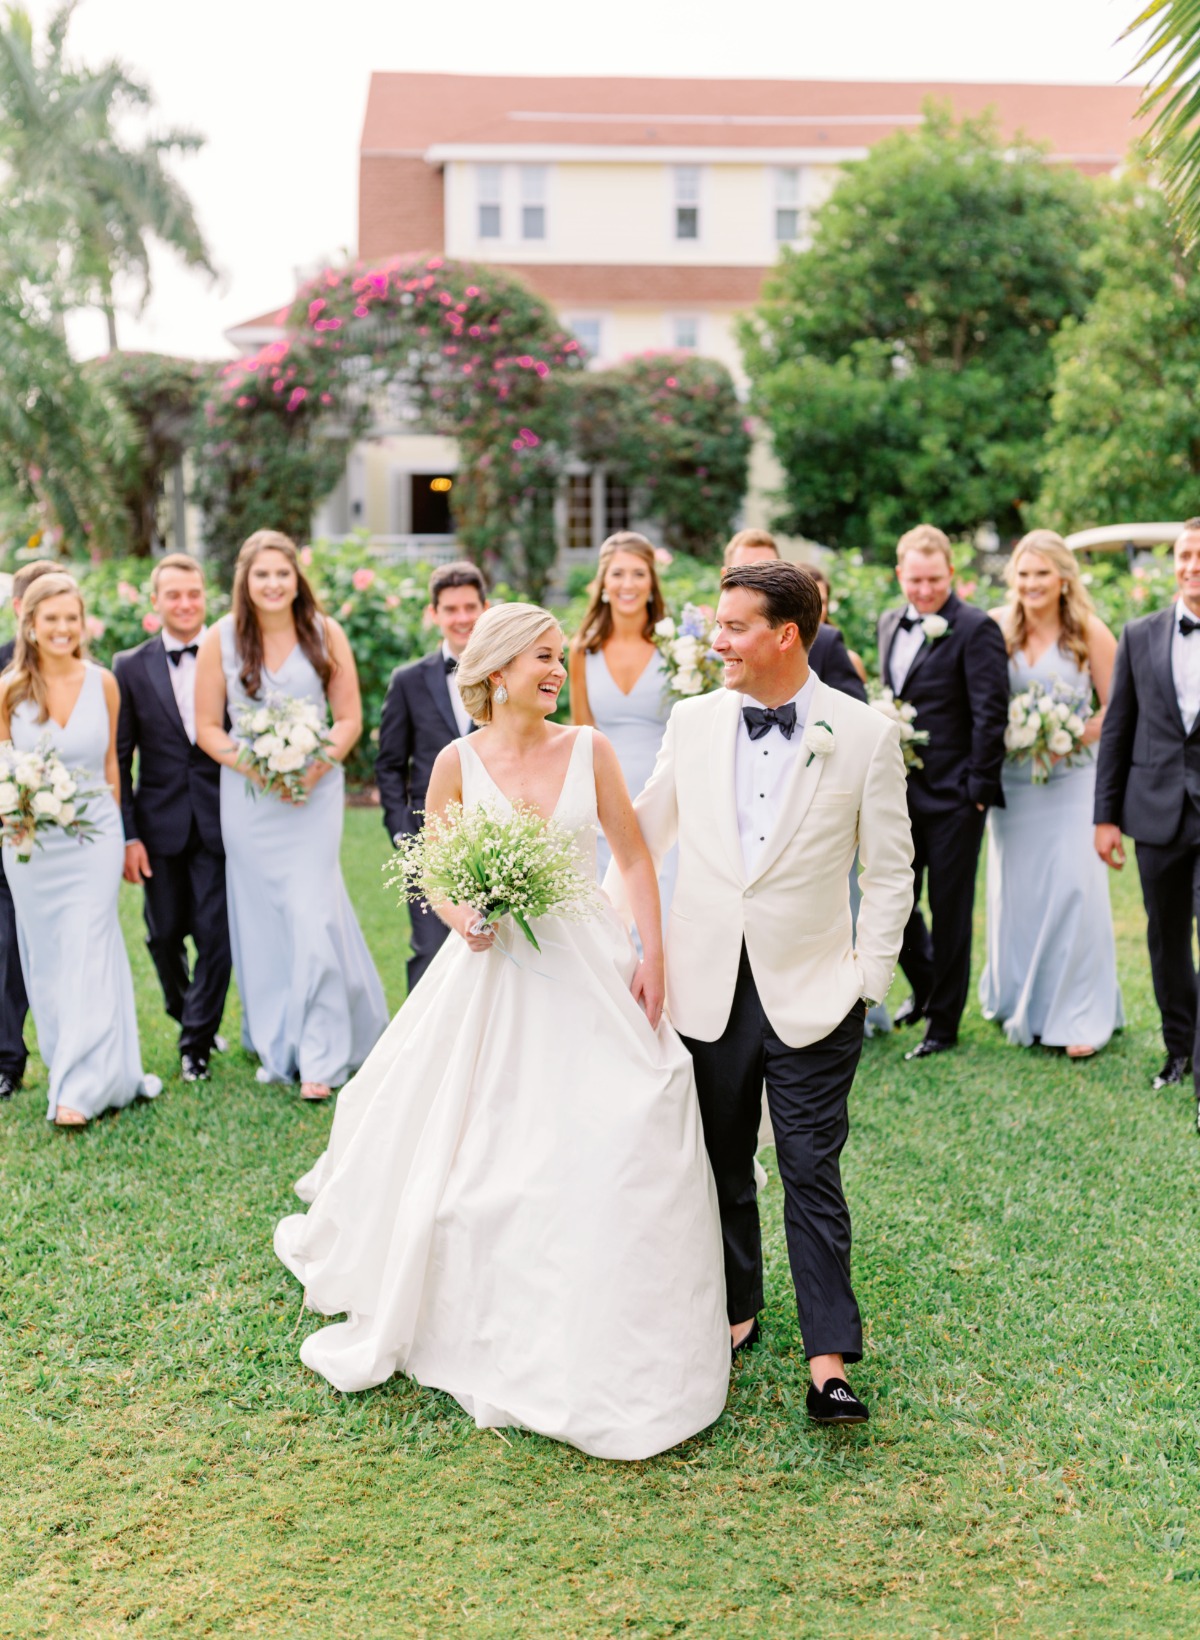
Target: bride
516 1206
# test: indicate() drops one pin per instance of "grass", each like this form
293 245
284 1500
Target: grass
1027 1241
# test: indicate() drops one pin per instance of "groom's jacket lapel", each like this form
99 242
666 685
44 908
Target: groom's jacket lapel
727 721
801 787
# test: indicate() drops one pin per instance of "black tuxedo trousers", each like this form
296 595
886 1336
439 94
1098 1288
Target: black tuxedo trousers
14 1004
936 960
1170 875
185 894
807 1094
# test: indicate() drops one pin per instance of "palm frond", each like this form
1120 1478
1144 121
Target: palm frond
1171 56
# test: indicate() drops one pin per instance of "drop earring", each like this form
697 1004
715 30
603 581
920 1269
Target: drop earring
604 598
501 694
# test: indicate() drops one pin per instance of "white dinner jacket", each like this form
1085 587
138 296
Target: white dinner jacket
794 911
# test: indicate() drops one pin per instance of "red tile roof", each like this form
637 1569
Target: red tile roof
411 113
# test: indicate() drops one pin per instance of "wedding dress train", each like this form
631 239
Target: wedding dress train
516 1205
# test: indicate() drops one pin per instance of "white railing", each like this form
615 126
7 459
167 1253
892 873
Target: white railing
413 549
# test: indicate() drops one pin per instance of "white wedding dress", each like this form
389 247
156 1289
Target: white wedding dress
516 1205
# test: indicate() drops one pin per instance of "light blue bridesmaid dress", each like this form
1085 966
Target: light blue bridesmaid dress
312 1003
635 724
72 955
1051 970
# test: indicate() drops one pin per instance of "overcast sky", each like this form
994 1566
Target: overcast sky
278 88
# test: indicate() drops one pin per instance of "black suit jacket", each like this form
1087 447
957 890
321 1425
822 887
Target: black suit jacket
830 660
959 686
177 782
7 651
1148 764
417 722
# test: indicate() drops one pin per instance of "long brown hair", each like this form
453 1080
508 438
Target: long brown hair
1074 605
306 612
25 679
597 626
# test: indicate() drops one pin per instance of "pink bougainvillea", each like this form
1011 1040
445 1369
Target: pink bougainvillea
362 579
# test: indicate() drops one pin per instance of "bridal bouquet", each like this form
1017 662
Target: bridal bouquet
904 717
521 866
280 741
686 648
1045 725
37 793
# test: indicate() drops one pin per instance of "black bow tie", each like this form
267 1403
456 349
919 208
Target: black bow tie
760 720
907 622
449 662
176 655
1187 626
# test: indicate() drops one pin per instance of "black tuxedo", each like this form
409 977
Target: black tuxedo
959 687
830 660
417 723
175 811
14 1004
1148 783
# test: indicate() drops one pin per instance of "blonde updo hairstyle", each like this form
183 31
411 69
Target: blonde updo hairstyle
1075 606
501 634
24 679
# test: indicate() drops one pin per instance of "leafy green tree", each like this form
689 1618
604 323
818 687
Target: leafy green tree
1124 440
672 429
94 199
902 363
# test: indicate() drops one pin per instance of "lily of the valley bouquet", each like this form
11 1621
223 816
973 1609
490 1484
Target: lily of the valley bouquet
686 648
520 866
280 742
38 793
904 716
1046 726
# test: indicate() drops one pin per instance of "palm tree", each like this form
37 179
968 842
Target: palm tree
1172 54
94 200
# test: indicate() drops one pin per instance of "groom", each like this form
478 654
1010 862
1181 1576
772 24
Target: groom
769 787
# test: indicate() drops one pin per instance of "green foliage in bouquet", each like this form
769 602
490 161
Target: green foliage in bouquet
521 867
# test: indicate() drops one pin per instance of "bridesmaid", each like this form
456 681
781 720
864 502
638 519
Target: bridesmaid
618 682
313 1006
72 955
1051 973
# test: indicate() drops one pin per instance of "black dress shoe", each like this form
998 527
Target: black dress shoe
931 1045
910 1012
192 1068
835 1403
8 1085
1173 1072
750 1340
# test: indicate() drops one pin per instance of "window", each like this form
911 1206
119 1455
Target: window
685 332
789 218
687 202
489 183
579 512
586 329
616 506
533 202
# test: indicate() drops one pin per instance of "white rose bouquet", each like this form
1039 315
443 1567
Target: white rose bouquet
521 866
686 648
39 793
280 741
1045 726
904 717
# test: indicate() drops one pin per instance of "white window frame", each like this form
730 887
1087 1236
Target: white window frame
687 193
533 187
599 320
787 194
489 195
674 320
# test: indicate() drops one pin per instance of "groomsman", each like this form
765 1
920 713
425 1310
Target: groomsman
949 661
1148 786
172 816
13 1003
422 714
828 657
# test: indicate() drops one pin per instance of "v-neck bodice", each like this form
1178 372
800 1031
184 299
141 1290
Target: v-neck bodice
575 809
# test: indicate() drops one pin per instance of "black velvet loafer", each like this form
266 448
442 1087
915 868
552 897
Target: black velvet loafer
835 1403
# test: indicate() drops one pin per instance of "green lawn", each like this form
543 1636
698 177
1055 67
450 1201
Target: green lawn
1028 1242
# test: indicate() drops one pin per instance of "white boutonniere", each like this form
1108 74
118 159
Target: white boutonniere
818 740
935 627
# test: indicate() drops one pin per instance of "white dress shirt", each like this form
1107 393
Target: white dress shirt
1185 667
183 681
761 770
461 716
904 651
